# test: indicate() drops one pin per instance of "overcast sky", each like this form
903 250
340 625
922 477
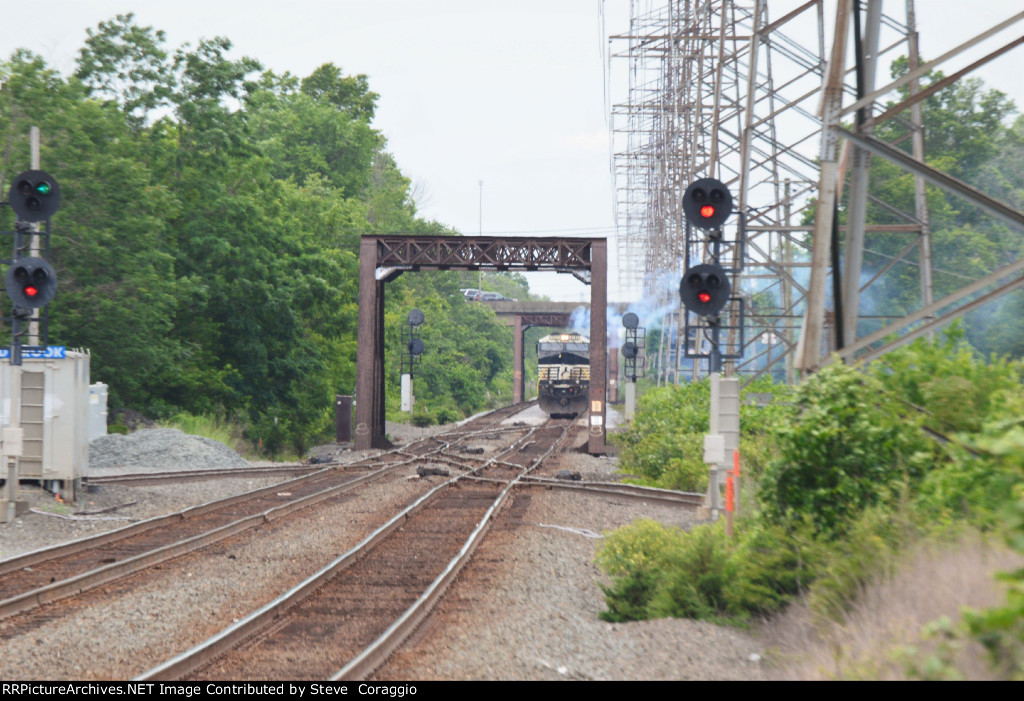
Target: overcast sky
508 93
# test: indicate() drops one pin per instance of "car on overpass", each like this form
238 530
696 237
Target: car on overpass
473 295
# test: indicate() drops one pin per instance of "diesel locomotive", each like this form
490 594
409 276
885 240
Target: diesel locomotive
563 364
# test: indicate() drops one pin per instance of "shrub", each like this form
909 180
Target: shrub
841 452
849 482
633 555
669 425
634 547
423 418
663 571
871 546
949 381
696 577
689 472
980 402
447 415
776 564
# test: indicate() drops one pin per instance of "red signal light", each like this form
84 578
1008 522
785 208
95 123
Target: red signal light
31 291
707 211
704 296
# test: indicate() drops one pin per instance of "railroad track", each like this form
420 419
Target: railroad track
138 479
439 528
628 491
343 622
43 576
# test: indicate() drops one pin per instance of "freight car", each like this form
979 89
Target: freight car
563 365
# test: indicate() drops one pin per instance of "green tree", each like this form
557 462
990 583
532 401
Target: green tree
303 135
349 94
966 134
126 64
208 257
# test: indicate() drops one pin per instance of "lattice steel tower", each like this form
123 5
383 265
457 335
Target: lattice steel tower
718 88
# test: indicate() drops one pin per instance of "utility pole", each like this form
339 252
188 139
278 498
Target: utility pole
480 231
33 239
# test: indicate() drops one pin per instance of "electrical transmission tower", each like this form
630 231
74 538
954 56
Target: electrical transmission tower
764 103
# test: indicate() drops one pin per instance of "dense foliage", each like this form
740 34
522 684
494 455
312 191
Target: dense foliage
851 481
207 243
664 444
845 445
662 571
1001 629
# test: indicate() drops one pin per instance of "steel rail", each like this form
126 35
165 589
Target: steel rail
70 548
90 579
101 575
219 644
630 491
65 549
375 654
150 478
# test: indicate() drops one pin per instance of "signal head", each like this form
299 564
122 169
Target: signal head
34 196
707 203
704 289
31 282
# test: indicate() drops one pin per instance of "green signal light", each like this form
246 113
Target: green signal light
44 188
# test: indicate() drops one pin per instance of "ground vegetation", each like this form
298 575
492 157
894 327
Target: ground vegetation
852 478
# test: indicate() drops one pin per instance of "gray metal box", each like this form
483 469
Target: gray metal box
97 410
53 408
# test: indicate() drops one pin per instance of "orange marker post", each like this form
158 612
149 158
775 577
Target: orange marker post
736 472
729 504
731 488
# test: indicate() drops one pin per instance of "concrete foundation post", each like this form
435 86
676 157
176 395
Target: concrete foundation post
630 400
724 434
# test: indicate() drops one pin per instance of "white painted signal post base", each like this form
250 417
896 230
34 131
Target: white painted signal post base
10 450
630 400
408 400
724 436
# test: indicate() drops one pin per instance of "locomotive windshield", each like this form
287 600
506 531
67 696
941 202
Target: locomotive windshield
568 348
549 348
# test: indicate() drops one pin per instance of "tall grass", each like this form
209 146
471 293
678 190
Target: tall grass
208 426
227 431
905 625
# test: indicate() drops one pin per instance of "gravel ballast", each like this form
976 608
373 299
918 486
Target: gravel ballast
526 608
162 448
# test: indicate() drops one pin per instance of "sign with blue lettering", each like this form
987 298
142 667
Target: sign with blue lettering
48 353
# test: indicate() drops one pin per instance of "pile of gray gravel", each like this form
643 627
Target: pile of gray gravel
161 449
